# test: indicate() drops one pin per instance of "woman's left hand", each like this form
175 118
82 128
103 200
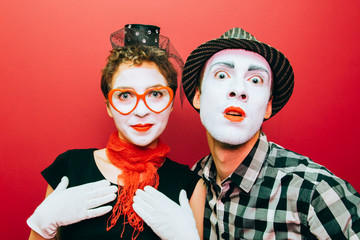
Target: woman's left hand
166 218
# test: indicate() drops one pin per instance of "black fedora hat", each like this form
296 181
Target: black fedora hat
237 38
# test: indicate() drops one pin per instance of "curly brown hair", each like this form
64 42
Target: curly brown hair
137 54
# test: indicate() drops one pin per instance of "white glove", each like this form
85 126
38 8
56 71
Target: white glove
65 206
165 217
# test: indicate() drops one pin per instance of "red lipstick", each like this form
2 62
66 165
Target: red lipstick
234 114
142 127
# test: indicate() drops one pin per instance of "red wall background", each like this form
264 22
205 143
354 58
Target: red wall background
52 53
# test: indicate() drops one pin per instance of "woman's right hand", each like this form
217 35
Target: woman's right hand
65 206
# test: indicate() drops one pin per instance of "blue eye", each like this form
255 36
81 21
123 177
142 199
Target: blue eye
155 94
124 95
257 80
221 75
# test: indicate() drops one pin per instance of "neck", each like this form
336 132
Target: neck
151 145
228 157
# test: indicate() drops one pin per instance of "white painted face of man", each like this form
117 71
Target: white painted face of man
235 95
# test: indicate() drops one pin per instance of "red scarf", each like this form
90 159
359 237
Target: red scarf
139 168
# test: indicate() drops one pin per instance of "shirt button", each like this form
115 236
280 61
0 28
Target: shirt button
225 235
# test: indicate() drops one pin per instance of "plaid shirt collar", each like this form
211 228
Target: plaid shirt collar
247 172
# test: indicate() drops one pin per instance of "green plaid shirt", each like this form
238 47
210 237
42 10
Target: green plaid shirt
278 194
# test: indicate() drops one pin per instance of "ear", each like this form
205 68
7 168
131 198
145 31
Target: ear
268 109
108 109
172 106
196 99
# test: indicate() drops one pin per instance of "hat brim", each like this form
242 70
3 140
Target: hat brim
283 75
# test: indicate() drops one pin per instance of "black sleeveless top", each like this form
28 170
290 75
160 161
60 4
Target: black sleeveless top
80 167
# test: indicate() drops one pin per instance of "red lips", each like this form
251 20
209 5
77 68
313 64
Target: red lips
234 114
142 127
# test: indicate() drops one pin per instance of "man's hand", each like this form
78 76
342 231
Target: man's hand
65 206
166 218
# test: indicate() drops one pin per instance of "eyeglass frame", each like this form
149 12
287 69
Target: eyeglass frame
141 96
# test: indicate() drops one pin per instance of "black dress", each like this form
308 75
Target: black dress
80 167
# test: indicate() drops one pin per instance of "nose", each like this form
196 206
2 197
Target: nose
141 109
243 96
238 91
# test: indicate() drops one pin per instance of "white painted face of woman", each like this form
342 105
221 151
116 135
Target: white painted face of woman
142 126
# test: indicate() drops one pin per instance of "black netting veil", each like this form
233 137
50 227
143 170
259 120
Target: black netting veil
149 35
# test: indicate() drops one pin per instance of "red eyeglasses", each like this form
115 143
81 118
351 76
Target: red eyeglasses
157 99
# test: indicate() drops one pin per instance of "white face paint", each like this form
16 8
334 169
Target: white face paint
235 94
141 127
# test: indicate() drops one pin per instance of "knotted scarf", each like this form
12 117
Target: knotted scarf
139 168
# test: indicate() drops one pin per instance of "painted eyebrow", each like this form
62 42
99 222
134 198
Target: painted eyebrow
258 68
123 87
232 66
227 64
153 86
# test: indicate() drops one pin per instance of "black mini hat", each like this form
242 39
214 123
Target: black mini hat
133 34
237 38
